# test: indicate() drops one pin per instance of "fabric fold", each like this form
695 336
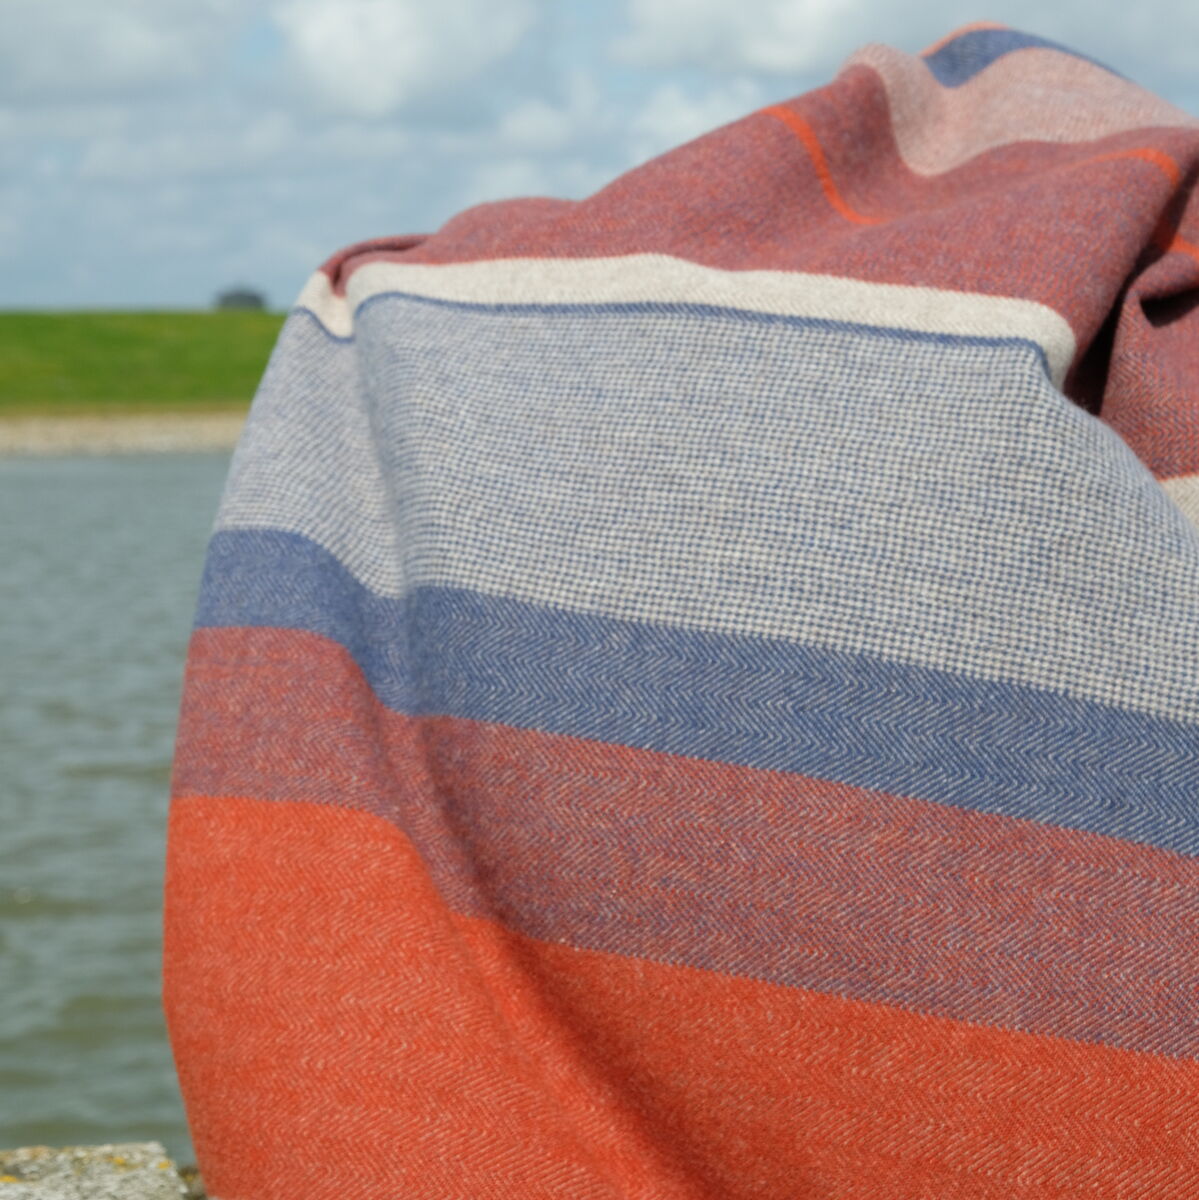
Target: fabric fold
695 690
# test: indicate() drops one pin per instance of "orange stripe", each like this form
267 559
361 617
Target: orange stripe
957 33
798 126
1168 241
1179 245
334 1021
344 1027
802 130
1163 162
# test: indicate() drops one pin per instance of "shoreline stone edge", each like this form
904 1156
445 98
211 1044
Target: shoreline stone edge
117 1171
133 433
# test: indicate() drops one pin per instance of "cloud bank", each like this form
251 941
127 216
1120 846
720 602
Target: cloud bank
155 151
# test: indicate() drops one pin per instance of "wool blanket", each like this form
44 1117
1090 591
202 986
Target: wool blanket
695 690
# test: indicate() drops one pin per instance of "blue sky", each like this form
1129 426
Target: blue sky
153 152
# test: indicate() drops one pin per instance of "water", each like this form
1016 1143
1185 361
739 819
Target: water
100 560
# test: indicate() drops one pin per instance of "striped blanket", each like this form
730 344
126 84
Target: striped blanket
695 691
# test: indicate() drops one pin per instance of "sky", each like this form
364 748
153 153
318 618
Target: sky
155 152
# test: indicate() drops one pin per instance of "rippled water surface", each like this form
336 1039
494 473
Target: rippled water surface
100 559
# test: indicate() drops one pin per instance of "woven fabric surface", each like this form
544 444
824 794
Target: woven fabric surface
695 691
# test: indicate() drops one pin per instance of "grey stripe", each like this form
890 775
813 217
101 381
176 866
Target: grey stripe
930 501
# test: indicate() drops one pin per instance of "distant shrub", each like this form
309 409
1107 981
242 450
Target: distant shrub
240 297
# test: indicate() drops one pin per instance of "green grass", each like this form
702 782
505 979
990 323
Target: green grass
67 363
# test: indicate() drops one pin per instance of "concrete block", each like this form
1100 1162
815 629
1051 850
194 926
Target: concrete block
131 1171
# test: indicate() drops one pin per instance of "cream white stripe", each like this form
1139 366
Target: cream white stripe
664 279
1184 491
1031 95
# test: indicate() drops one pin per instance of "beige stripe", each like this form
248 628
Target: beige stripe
1030 95
662 278
1184 491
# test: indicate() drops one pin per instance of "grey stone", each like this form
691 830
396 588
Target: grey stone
131 1171
193 1183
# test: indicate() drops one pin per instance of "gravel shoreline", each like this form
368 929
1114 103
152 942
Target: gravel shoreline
139 433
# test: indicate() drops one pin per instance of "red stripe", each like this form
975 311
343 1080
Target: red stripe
803 131
1152 394
333 1022
1013 922
337 266
1009 222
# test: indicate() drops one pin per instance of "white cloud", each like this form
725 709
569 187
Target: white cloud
191 150
673 114
47 122
504 178
370 57
1155 42
72 48
773 36
578 144
536 124
177 145
266 143
511 176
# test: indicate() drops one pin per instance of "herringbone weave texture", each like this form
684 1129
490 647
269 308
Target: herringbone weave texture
695 691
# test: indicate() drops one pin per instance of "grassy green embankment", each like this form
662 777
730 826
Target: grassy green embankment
101 363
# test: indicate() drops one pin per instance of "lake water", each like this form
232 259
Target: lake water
100 560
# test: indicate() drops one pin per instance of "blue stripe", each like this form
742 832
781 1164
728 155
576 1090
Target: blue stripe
663 308
959 61
749 700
